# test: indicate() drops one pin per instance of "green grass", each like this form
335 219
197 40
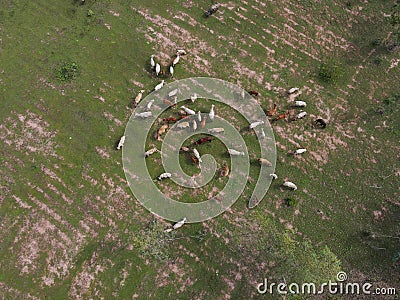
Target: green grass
38 38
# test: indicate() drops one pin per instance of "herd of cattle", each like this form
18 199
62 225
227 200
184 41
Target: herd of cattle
201 119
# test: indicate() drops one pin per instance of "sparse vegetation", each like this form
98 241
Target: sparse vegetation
330 72
70 227
67 71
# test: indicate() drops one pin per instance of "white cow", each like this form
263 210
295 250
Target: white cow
139 97
234 152
255 124
176 60
193 97
177 225
194 125
211 113
152 62
300 151
293 90
188 110
262 133
173 93
290 185
144 114
159 86
197 155
301 115
300 103
183 125
199 116
164 176
273 175
215 130
150 103
150 152
158 68
180 52
121 142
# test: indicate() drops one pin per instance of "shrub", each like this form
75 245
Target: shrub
290 202
67 71
90 13
153 242
330 72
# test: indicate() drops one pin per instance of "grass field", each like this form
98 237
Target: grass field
69 225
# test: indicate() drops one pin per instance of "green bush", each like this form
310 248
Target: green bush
90 13
67 71
330 72
290 202
153 242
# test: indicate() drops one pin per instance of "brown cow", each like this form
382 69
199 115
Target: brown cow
203 140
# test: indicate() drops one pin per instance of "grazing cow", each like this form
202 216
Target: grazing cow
212 10
171 70
224 171
144 114
183 125
262 133
211 113
272 111
193 97
197 155
290 185
206 139
264 161
203 122
255 124
320 123
173 93
273 175
176 60
300 103
159 86
169 120
293 90
158 69
215 130
300 151
139 97
185 149
169 103
199 116
176 226
188 110
152 62
180 52
194 125
150 152
121 142
162 129
301 115
179 224
150 103
194 160
234 152
254 93
281 116
164 176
